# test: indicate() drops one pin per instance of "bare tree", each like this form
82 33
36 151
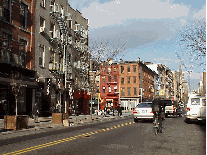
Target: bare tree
100 52
193 42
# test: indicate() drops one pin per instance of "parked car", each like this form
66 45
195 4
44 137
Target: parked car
144 112
196 108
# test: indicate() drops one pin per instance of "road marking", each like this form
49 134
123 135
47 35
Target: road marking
33 148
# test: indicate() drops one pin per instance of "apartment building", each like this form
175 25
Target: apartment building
17 73
61 57
109 84
165 81
136 83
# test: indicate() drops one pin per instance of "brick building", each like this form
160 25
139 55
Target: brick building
136 83
17 56
109 84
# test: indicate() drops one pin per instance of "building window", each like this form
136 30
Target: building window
109 89
135 90
42 22
128 91
115 78
122 80
52 30
128 79
103 69
115 88
134 68
114 69
109 70
128 68
7 10
22 52
122 69
109 78
23 15
5 52
135 79
103 78
70 24
42 56
42 3
103 90
122 92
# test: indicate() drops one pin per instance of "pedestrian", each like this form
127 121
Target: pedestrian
35 113
119 110
112 110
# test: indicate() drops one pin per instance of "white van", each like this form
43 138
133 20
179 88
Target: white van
196 108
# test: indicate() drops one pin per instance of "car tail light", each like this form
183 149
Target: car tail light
173 107
151 112
188 109
134 112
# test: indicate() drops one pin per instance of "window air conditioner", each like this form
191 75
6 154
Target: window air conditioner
42 29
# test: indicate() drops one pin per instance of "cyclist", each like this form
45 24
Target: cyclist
157 109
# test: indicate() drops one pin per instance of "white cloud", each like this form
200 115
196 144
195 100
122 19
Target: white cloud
201 13
117 12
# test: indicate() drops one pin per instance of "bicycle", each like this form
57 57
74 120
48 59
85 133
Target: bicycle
157 123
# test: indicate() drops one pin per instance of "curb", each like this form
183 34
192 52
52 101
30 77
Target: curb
81 122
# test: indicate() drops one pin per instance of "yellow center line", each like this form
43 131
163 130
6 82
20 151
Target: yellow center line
62 140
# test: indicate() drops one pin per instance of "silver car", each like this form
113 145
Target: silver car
143 111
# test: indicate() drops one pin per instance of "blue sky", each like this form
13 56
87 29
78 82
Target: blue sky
147 27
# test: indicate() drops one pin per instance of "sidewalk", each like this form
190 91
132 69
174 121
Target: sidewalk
45 124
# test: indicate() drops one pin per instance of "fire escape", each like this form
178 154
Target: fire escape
74 71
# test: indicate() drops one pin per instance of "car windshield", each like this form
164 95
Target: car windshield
195 101
144 105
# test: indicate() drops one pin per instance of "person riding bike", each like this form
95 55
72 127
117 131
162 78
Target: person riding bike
157 109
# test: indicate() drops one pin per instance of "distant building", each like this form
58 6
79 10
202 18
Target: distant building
136 82
109 84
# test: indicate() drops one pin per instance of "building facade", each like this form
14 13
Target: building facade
61 57
136 83
17 72
109 84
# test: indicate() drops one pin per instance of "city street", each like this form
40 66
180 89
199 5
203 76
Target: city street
117 136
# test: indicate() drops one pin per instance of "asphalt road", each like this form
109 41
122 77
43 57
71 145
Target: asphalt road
118 136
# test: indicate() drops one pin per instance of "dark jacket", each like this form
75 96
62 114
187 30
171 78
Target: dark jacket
35 110
157 106
119 109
